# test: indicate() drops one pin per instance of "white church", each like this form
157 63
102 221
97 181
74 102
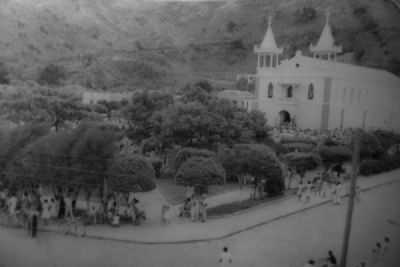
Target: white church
318 92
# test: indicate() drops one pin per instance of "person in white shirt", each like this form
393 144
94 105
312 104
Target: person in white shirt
12 209
225 258
68 206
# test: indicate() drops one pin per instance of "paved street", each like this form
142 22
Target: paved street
287 242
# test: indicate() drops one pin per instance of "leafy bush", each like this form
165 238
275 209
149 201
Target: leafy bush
387 139
131 173
52 75
334 154
302 161
373 166
187 152
370 146
200 171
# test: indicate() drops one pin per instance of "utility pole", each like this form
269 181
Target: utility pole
350 208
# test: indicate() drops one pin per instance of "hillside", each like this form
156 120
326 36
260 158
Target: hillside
142 43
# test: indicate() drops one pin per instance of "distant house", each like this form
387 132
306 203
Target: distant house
91 97
242 99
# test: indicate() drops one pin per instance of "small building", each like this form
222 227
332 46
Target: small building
242 99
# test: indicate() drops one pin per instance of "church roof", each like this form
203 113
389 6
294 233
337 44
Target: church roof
268 44
326 42
343 71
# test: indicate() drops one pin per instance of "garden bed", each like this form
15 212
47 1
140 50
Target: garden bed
237 206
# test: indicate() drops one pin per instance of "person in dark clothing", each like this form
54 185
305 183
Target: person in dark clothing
61 210
332 258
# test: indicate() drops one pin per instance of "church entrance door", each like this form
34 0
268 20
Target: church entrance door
284 117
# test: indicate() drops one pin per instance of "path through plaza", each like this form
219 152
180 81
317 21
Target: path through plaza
284 242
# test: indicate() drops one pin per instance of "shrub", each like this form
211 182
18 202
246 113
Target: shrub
370 146
335 154
52 75
300 147
188 152
285 139
200 171
373 166
387 139
131 173
302 161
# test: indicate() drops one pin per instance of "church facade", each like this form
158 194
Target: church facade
318 92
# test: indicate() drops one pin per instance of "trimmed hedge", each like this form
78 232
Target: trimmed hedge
335 154
200 171
300 147
373 166
131 173
285 139
302 161
187 152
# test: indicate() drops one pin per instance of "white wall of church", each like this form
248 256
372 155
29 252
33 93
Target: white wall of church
363 105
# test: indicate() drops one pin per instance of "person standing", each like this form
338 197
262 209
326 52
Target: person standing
358 193
331 259
375 254
68 206
386 245
203 210
308 192
337 193
12 209
225 259
300 190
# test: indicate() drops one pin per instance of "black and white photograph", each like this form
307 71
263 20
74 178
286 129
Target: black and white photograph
199 133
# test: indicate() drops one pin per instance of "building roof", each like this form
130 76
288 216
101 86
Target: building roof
237 94
326 42
268 44
342 70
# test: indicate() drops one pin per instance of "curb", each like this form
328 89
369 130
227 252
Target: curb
217 238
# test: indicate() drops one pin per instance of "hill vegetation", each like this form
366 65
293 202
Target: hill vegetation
148 44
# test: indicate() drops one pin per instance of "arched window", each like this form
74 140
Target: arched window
289 93
310 91
270 90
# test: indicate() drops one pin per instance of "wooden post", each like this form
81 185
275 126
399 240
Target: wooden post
350 208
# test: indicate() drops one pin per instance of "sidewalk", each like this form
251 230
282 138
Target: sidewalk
184 231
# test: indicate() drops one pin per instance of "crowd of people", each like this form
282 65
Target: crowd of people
327 183
194 206
30 205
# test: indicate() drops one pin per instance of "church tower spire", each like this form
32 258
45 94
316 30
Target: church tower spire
268 52
325 47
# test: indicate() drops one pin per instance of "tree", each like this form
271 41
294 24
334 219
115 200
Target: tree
187 152
78 157
52 75
256 160
200 171
44 105
4 79
141 110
